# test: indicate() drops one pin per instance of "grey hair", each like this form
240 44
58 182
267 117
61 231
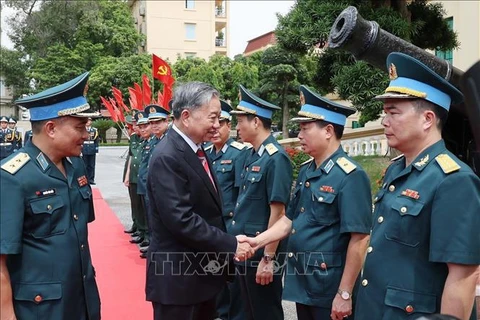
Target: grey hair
191 96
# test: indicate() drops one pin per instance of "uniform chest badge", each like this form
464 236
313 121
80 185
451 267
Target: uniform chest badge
411 194
82 181
327 189
256 169
225 161
43 193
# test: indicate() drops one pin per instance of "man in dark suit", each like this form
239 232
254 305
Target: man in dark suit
189 251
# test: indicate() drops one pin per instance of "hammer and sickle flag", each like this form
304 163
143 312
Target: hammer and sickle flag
161 70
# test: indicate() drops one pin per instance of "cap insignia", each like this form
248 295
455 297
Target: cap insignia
392 72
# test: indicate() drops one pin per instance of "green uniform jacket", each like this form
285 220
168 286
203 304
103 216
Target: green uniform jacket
147 151
224 164
329 203
44 232
266 177
135 152
426 215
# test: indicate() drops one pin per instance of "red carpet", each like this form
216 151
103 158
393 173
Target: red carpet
120 270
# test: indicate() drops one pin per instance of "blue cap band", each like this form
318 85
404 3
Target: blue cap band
330 116
432 94
261 112
225 115
59 109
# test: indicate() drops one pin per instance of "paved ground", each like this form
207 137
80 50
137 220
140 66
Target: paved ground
109 170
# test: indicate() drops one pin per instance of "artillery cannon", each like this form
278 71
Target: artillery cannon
368 42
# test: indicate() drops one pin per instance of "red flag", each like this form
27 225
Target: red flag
160 98
167 96
147 90
161 70
117 94
139 94
119 113
134 103
110 109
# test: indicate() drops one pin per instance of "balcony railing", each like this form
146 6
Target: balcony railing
219 42
220 12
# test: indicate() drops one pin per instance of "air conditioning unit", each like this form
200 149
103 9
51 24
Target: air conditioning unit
141 11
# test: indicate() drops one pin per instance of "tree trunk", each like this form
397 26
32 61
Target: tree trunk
286 112
119 135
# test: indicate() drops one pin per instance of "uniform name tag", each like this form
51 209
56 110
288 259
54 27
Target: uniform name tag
411 193
256 169
82 181
43 193
225 161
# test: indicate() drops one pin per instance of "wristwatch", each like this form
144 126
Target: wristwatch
344 294
267 258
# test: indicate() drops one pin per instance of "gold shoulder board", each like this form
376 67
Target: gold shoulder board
308 161
237 145
17 162
271 149
346 165
447 164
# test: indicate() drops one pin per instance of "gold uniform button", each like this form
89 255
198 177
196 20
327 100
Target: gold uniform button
403 209
233 222
391 188
409 309
290 254
253 179
49 207
231 214
293 231
213 162
223 169
246 168
364 282
238 204
302 209
369 249
320 199
380 219
243 187
75 217
307 184
38 298
82 246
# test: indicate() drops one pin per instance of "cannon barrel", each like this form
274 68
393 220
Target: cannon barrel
368 42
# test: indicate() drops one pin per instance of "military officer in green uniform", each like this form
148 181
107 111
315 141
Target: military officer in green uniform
157 118
16 135
265 183
45 265
328 219
145 135
425 242
90 150
225 154
131 178
6 139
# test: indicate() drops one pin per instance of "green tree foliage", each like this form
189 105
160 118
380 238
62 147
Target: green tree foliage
56 40
102 126
308 24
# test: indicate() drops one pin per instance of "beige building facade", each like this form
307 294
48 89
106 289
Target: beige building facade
464 18
185 28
